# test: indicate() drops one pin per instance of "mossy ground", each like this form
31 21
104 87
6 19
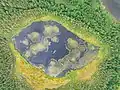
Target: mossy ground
86 18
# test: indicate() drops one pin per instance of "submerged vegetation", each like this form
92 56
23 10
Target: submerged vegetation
87 19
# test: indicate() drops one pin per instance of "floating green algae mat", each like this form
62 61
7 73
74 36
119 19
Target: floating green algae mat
85 18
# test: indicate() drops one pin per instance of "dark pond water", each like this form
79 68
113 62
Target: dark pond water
60 47
46 43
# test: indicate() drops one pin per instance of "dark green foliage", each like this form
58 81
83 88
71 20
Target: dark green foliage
93 17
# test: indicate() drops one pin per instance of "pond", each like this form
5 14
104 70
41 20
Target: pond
50 46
